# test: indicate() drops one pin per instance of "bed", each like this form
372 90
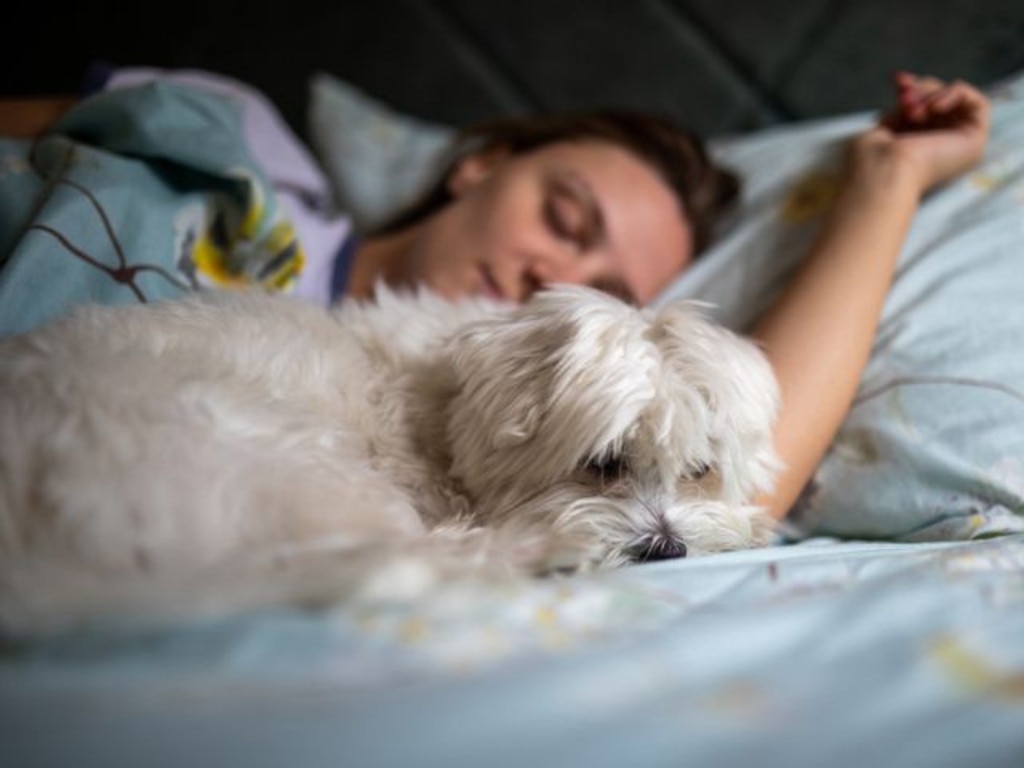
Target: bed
822 653
884 627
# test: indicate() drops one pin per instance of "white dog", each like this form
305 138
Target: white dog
229 451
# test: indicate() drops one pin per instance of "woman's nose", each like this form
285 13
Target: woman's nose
553 265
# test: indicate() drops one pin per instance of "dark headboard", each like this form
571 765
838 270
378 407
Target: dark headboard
721 66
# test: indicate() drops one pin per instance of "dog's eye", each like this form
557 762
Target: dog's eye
698 472
607 467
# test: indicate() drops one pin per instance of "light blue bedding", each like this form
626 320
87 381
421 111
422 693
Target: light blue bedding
823 653
136 195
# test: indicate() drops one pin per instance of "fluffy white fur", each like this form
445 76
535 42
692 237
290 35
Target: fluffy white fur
230 451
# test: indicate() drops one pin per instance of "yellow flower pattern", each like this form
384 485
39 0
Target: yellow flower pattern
809 198
220 248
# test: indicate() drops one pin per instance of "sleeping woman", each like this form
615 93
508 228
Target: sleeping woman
625 202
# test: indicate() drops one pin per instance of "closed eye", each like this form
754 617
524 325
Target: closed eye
565 219
571 211
572 214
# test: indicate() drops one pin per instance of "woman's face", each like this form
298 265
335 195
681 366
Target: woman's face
586 212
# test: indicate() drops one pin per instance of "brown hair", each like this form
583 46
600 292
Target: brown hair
702 189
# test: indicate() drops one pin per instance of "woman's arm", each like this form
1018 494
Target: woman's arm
818 334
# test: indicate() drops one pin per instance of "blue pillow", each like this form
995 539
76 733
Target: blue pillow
377 159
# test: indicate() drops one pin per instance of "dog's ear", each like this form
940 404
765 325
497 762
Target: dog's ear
540 388
736 381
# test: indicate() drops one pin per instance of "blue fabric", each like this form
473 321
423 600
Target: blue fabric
136 195
378 160
819 654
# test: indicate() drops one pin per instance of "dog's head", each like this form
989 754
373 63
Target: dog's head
636 434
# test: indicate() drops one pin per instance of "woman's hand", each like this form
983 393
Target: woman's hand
937 131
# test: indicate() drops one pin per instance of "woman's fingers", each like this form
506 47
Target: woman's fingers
913 88
927 102
913 91
959 106
945 101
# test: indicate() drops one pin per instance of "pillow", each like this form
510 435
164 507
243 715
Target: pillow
933 447
377 159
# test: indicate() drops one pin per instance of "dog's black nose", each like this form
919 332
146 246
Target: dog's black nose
661 548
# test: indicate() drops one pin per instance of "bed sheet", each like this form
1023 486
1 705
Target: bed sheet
811 654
